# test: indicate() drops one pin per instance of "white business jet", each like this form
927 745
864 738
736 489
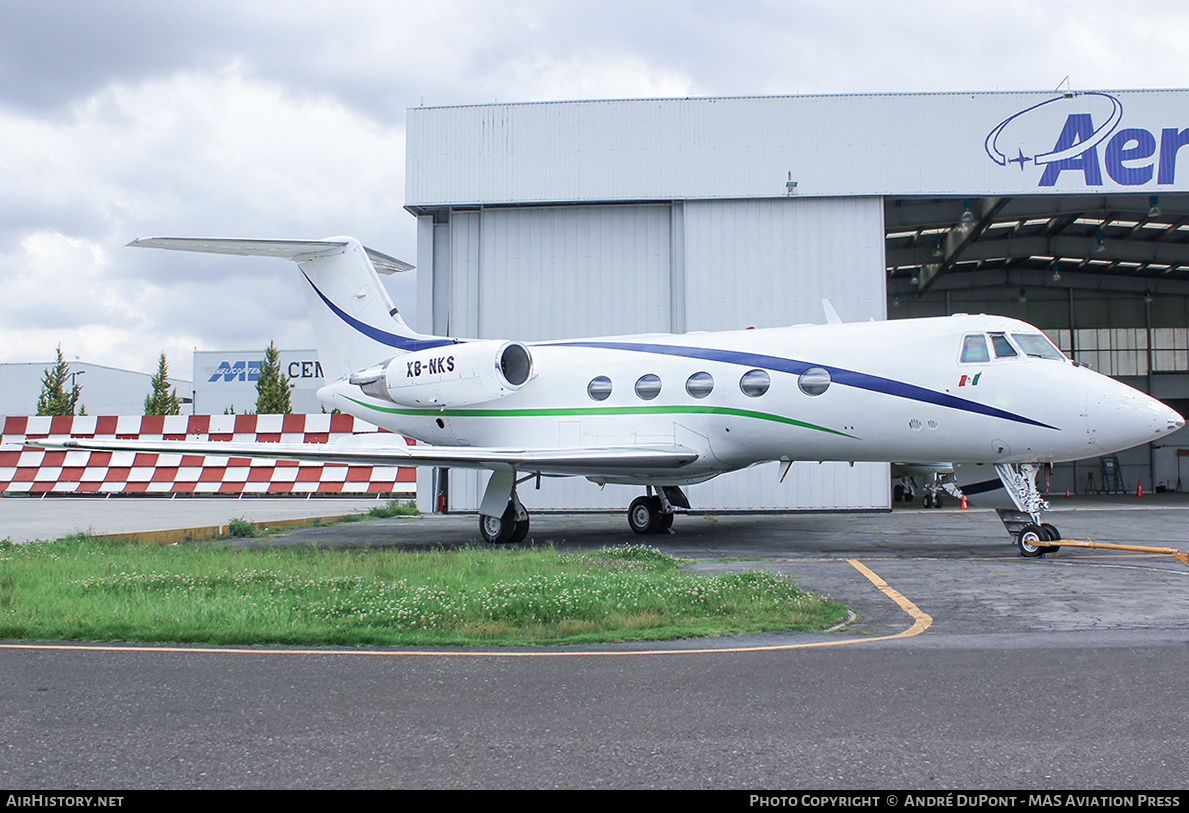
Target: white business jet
662 411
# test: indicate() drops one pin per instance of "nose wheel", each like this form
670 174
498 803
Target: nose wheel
1032 540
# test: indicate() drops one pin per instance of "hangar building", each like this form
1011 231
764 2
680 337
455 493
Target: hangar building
558 220
104 390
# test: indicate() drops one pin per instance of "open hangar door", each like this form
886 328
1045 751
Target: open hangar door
1106 277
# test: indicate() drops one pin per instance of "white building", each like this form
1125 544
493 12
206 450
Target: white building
104 390
225 380
540 221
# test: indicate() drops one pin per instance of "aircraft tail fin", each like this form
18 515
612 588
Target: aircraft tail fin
355 322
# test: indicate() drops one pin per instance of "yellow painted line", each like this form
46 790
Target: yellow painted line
921 622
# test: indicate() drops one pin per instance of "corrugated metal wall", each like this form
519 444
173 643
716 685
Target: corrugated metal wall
724 148
536 273
768 263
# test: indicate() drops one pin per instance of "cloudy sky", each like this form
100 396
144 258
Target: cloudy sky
271 118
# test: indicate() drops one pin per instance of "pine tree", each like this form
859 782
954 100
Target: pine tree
54 398
272 387
161 400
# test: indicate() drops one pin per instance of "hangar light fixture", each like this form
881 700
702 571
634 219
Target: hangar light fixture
967 215
1154 211
1101 238
1056 272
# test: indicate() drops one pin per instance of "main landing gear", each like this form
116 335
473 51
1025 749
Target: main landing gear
905 487
502 518
1033 537
508 529
933 493
653 513
504 521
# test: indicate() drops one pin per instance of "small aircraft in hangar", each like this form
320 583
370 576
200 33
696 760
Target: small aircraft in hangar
996 398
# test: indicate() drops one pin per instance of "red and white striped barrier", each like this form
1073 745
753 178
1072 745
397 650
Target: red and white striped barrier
26 469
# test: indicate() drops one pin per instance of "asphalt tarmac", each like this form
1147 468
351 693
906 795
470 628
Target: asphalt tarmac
965 668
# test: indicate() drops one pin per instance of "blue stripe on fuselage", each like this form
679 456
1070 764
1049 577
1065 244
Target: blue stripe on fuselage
838 375
374 333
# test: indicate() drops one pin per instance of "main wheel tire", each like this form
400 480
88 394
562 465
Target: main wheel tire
1053 535
521 532
927 500
1030 542
644 515
500 530
937 500
898 494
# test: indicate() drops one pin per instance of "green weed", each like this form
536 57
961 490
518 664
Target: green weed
84 588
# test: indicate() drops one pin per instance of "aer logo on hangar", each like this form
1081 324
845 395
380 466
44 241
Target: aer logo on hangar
1063 134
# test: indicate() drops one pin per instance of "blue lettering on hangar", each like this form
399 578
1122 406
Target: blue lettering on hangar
1131 156
250 370
237 371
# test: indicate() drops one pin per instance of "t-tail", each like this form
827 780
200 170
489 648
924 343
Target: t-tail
355 322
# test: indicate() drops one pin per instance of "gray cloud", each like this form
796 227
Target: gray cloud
129 118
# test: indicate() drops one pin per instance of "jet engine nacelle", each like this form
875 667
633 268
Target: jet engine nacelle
450 376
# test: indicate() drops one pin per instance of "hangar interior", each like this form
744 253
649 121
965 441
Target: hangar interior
569 219
1105 276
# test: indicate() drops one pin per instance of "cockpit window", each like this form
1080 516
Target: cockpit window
974 349
1003 348
1037 345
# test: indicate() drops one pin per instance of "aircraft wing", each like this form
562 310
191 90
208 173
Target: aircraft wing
614 460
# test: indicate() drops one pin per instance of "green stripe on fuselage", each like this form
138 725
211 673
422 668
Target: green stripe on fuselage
561 412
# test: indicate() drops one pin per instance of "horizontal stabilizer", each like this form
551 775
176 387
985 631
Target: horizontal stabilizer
283 249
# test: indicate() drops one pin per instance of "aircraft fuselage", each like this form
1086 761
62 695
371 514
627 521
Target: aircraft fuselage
874 391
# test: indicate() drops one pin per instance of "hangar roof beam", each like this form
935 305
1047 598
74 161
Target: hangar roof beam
1097 234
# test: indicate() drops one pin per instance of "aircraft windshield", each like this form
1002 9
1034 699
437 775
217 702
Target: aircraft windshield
974 349
1003 348
1037 345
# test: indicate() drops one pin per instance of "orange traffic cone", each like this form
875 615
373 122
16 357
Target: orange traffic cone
963 502
1067 493
1139 489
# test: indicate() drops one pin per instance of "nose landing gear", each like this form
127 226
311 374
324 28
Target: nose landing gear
1034 537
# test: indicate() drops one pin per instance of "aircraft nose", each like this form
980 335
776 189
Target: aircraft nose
1120 417
1169 421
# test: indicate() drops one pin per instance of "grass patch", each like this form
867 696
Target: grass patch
83 588
392 508
241 528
